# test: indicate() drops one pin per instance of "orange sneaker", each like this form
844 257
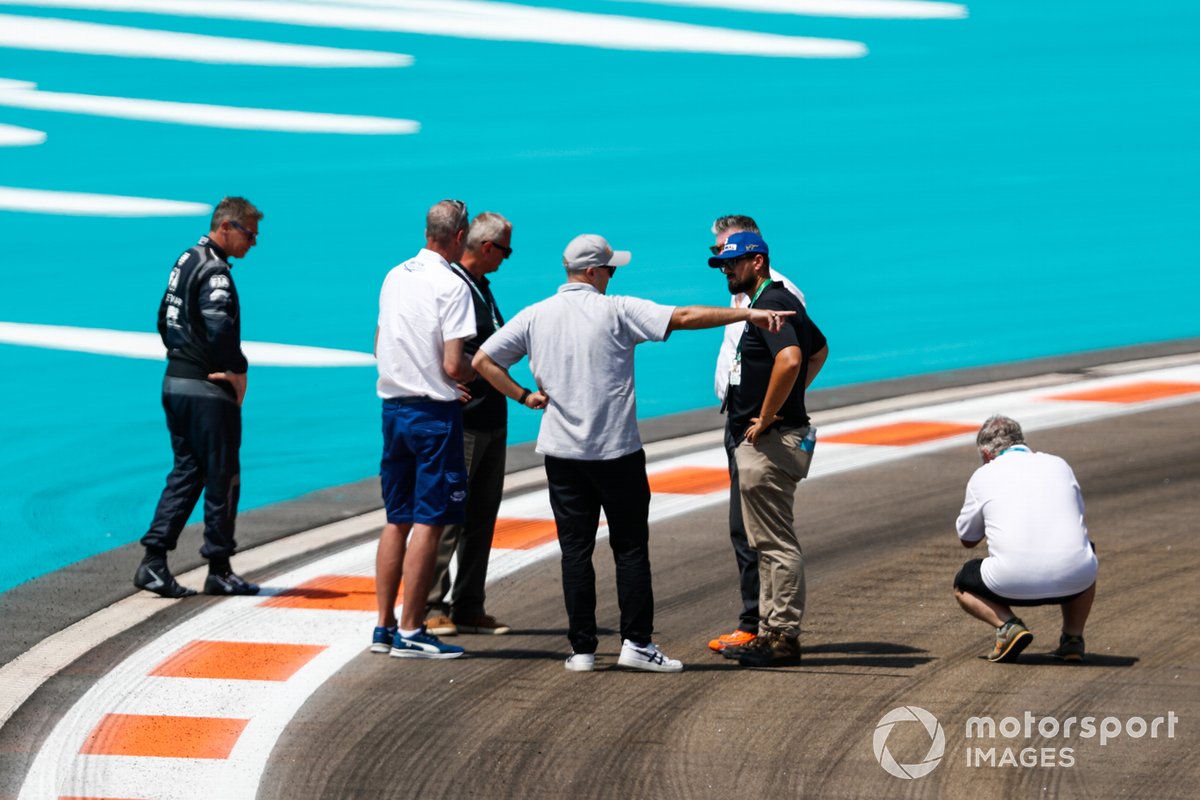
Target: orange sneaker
735 639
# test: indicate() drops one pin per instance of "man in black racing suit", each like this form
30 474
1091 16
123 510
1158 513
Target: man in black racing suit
199 320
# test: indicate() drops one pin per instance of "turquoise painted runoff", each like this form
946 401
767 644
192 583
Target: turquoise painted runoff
1017 184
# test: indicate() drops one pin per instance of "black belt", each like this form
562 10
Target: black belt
408 401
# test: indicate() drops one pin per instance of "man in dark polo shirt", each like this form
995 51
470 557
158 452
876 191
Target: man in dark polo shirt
485 441
768 420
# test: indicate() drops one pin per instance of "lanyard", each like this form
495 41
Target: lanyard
765 284
737 357
462 273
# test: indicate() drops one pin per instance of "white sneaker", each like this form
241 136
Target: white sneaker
649 658
580 662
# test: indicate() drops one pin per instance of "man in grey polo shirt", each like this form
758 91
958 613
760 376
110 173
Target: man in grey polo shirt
580 344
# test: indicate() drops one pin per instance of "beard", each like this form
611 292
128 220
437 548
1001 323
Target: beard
742 286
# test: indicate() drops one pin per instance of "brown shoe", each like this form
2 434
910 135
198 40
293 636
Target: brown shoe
484 623
440 625
773 649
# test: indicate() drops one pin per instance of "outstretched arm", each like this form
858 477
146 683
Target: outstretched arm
690 318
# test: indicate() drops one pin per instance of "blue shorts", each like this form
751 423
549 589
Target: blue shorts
423 472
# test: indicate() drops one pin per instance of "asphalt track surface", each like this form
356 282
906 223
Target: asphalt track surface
882 631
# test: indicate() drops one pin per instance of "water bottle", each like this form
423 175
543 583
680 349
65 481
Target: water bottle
809 443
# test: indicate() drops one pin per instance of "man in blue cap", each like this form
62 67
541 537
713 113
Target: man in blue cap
744 555
768 420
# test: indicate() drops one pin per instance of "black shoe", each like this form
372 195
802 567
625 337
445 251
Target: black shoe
153 576
772 650
228 584
734 651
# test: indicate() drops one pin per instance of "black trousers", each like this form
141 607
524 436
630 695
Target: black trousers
485 453
745 555
578 490
205 423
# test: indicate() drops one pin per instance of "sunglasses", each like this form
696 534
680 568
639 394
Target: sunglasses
250 235
730 264
508 251
462 212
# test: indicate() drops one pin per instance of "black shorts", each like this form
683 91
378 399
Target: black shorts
969 579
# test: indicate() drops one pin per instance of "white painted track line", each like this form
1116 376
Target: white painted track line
858 9
470 19
14 136
68 36
149 346
206 115
43 201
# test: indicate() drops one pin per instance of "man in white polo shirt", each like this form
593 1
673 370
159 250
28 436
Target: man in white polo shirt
1030 509
425 317
580 343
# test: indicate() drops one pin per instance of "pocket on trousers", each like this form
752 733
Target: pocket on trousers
431 427
800 459
803 462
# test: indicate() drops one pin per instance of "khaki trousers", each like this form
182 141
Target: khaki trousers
769 472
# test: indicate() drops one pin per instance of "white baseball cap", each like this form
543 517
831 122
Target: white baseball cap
592 250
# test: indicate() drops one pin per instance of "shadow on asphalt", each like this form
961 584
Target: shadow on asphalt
862 648
307 592
1045 659
555 632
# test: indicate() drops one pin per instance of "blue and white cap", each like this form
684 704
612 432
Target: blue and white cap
738 245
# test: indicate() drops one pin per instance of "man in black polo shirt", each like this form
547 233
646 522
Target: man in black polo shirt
485 441
199 319
768 420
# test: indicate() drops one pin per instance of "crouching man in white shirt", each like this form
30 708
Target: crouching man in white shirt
1029 508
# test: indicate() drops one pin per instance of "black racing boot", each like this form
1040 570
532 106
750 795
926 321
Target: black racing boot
153 576
223 581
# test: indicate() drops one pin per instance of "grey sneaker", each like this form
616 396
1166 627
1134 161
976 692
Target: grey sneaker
1070 648
647 657
1011 638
